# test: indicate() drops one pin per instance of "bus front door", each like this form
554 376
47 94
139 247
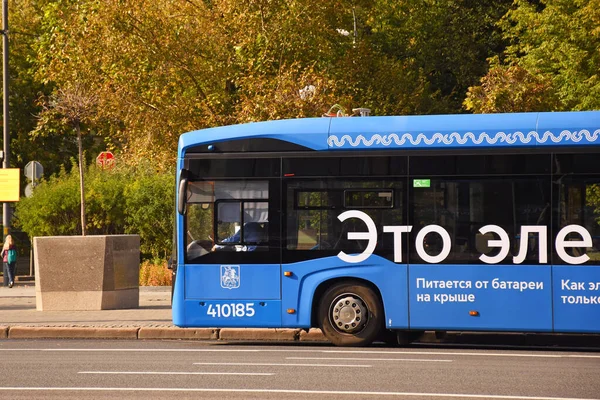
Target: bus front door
232 271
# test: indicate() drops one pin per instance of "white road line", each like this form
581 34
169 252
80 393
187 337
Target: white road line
287 365
482 353
454 353
285 391
172 373
368 359
159 350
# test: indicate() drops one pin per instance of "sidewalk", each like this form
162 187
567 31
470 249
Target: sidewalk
19 319
17 308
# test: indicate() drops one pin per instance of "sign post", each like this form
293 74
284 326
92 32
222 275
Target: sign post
33 171
105 160
6 211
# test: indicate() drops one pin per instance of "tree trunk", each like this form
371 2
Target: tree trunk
80 145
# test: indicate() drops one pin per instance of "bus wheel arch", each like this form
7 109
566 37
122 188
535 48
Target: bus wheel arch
349 311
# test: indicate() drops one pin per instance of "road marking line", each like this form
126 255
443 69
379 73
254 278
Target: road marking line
172 373
287 365
286 391
159 350
453 353
367 359
483 353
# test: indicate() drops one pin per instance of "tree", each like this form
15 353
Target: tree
73 105
24 88
30 24
511 89
155 66
552 61
444 44
165 67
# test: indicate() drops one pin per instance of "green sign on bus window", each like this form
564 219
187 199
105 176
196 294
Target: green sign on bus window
421 183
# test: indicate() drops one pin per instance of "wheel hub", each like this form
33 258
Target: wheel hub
349 313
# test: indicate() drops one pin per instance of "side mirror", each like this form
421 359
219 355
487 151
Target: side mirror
181 192
171 263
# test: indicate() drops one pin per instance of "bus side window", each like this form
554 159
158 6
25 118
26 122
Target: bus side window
242 225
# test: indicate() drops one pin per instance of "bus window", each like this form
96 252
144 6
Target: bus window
369 198
199 234
578 203
463 206
313 207
242 225
229 221
220 216
199 217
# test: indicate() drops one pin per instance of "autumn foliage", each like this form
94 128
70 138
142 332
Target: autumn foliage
159 68
155 273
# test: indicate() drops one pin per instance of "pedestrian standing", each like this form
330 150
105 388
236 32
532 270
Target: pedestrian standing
9 261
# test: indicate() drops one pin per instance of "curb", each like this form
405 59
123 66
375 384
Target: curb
47 332
282 335
167 333
178 333
314 335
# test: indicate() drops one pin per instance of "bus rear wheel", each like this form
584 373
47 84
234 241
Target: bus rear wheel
350 314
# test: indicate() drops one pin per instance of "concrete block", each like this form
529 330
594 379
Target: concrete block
178 333
258 334
122 298
86 272
52 332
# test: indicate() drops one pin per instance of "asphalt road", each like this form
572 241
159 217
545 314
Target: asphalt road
72 369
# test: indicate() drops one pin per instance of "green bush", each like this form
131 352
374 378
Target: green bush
124 200
105 205
53 209
150 209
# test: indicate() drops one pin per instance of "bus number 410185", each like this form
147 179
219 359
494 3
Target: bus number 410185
233 310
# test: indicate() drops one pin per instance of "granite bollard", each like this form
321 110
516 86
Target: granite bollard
85 273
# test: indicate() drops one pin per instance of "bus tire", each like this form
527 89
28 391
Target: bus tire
350 314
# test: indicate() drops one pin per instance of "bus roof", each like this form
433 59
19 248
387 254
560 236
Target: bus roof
576 128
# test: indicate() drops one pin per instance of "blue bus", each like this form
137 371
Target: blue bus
374 228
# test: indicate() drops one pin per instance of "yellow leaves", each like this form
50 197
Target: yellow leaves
164 67
511 89
155 273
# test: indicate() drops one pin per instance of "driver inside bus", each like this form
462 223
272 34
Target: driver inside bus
255 233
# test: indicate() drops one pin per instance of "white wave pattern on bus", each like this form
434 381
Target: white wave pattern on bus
468 137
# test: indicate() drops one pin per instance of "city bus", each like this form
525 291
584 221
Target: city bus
375 228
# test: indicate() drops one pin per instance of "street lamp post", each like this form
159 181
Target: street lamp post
6 135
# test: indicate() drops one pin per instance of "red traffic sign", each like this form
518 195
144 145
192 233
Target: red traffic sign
106 159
